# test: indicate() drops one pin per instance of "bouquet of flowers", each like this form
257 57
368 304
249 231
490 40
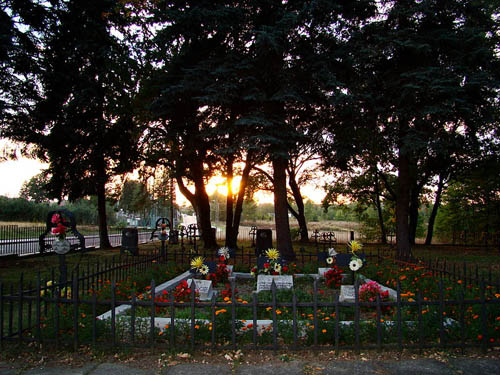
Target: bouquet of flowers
368 293
183 292
59 229
333 277
272 266
331 256
356 262
198 265
221 274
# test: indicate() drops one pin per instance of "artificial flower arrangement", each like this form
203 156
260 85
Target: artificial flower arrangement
198 265
60 228
272 266
333 277
182 292
368 293
356 262
222 272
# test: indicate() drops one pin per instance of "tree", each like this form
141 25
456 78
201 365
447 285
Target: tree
424 82
34 189
17 47
81 122
135 197
472 200
365 188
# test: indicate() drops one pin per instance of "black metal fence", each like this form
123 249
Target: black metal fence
15 240
48 313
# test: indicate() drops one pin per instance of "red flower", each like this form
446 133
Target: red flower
266 265
285 269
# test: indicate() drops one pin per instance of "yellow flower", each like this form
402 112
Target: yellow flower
49 283
354 246
197 262
272 254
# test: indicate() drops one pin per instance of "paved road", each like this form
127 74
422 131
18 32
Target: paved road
455 366
30 246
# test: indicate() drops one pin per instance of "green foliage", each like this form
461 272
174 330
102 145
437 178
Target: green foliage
19 209
34 189
134 197
471 203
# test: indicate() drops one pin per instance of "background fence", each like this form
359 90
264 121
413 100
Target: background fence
15 240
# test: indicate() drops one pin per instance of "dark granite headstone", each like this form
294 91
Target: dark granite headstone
130 240
264 241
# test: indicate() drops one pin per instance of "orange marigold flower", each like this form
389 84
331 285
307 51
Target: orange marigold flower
323 330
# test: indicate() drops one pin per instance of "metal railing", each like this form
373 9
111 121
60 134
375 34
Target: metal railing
21 241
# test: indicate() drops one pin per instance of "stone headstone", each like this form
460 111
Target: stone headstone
204 288
347 293
130 240
282 282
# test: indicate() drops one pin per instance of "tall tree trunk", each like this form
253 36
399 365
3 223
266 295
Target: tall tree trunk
414 206
283 237
402 205
297 196
383 234
203 207
435 207
201 204
231 242
101 206
229 199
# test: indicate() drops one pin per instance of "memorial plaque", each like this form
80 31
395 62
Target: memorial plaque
347 293
204 288
61 246
264 282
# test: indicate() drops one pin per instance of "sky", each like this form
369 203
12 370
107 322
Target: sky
14 173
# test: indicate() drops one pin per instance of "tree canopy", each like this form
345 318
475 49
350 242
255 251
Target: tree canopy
393 95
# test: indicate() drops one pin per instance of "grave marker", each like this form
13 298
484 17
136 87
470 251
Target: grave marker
264 282
347 293
264 241
204 288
